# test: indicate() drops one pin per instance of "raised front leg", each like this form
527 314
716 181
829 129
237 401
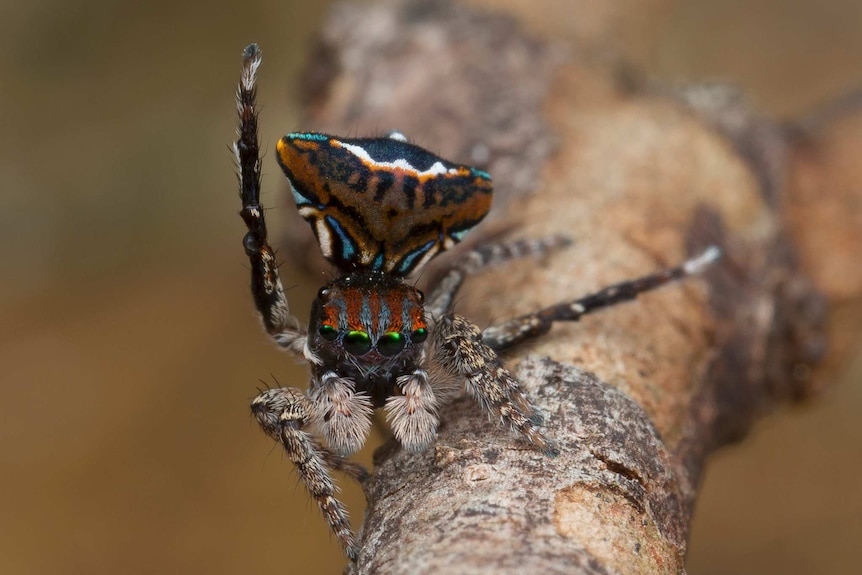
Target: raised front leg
283 413
458 351
266 285
515 331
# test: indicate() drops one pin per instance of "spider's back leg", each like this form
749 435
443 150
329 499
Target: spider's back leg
520 329
266 287
480 258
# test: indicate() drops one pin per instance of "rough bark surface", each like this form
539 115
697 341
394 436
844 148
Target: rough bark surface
640 177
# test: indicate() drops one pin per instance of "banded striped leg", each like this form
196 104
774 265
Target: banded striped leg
502 337
283 413
266 285
458 351
485 256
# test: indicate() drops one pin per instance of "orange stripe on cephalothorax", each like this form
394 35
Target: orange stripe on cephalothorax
417 315
353 298
330 316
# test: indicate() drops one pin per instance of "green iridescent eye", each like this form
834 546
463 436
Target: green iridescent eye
419 335
357 342
390 343
328 332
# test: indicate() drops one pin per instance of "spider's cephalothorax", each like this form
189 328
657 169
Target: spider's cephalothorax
369 328
381 208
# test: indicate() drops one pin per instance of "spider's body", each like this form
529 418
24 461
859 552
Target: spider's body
381 208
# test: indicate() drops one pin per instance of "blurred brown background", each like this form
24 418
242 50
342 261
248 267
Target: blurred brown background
128 343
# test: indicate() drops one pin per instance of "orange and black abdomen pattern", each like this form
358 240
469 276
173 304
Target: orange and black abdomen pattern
381 204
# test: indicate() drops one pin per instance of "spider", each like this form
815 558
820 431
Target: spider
381 208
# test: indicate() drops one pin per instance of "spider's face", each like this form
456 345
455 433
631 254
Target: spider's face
369 320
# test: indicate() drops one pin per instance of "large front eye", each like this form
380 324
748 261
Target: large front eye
357 342
419 335
390 343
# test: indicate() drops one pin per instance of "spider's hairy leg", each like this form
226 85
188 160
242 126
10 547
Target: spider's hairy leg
282 413
266 285
458 350
525 327
442 297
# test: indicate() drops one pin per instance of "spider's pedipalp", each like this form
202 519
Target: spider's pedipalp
526 327
413 413
283 413
342 416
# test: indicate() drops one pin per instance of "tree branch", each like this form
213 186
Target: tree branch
637 396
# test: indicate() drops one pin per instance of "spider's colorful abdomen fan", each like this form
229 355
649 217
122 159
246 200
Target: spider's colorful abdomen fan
381 203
